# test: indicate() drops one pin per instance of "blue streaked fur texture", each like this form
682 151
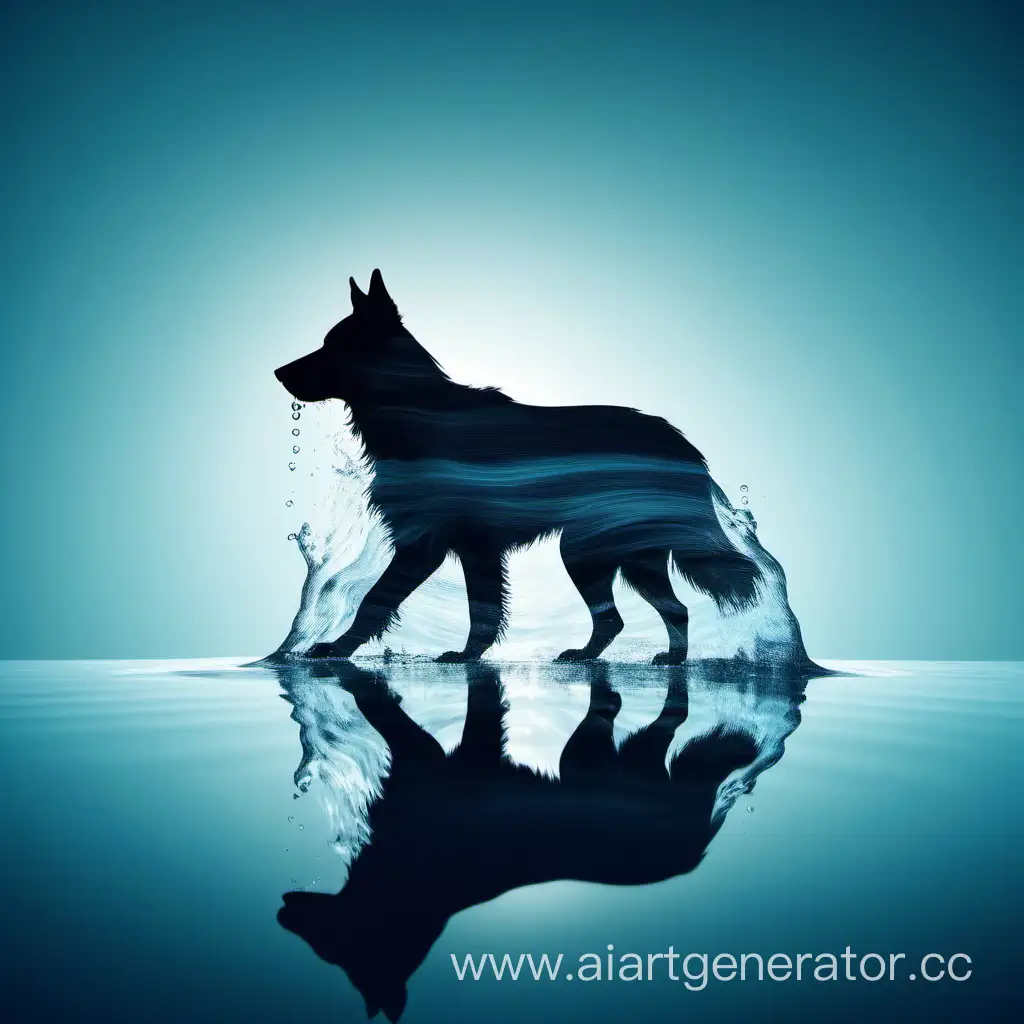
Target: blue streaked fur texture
472 472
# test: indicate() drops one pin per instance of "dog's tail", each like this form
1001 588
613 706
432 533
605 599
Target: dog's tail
715 566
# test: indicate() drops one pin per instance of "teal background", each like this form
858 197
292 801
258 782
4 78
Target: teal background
794 229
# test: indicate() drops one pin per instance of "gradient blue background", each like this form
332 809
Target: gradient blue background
794 229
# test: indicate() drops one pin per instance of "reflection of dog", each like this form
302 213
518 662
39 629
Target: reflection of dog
451 831
470 471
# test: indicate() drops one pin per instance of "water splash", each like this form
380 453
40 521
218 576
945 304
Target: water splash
340 751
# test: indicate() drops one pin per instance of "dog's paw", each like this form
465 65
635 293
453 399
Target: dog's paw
325 650
575 654
669 658
456 657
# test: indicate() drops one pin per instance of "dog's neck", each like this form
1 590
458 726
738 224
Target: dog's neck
394 422
387 429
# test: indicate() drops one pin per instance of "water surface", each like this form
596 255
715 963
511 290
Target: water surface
155 814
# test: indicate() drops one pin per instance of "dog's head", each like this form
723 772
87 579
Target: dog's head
371 954
351 350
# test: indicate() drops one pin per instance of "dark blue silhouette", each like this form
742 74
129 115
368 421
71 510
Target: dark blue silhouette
471 471
450 831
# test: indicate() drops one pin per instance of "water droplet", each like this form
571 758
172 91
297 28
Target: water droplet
750 808
295 796
293 536
291 466
745 500
296 415
291 817
744 487
296 407
296 432
304 781
295 881
301 827
295 449
289 503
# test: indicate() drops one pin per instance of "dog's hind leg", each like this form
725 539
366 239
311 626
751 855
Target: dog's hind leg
487 591
643 752
593 579
410 567
647 573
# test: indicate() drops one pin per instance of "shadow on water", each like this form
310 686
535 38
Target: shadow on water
432 833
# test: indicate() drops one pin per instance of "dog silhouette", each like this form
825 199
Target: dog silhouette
472 472
450 831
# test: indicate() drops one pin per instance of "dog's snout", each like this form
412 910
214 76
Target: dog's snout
308 378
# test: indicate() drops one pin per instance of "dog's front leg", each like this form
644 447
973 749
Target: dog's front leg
589 757
487 591
410 745
412 565
482 748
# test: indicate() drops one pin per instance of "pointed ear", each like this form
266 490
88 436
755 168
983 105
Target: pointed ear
377 290
393 1003
357 296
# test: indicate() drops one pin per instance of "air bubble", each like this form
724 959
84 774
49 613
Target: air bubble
289 503
296 432
744 487
295 449
291 817
745 500
296 415
293 536
301 827
296 407
750 808
291 466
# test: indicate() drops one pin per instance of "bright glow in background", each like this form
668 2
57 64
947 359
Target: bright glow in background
793 229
